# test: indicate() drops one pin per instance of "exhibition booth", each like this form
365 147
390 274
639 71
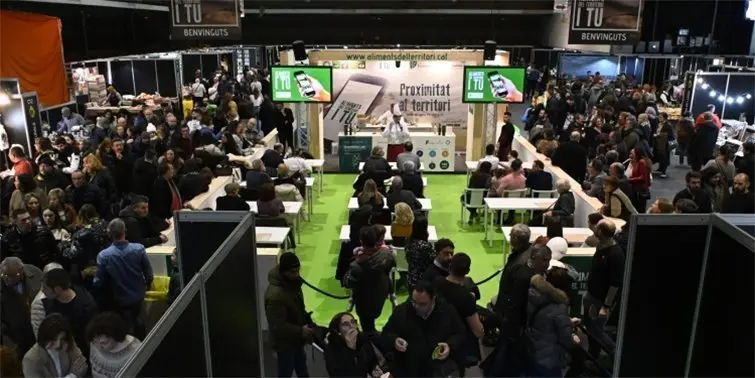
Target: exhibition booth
427 87
20 119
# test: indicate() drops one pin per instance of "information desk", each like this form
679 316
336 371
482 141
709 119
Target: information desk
436 152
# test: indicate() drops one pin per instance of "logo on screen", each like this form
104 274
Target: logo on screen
444 165
433 153
444 153
432 165
448 141
420 153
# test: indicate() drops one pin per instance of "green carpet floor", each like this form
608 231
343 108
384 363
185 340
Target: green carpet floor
319 246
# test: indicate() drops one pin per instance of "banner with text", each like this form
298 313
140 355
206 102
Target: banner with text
426 92
605 22
205 19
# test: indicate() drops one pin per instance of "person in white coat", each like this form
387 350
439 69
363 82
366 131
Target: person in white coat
387 117
396 133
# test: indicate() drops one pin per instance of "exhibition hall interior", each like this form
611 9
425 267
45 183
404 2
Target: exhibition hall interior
414 188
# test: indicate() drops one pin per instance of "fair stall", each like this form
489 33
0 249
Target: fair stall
368 86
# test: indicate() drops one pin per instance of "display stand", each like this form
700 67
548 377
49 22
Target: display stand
301 131
491 124
678 271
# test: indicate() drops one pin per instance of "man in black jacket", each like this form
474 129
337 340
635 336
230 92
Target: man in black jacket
538 178
509 358
413 180
18 287
122 166
145 173
444 251
75 303
695 193
399 194
572 157
81 192
603 284
741 200
140 226
419 327
746 164
49 177
273 158
31 243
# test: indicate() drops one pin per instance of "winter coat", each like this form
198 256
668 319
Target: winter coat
142 230
422 336
572 158
104 180
56 180
37 247
87 194
285 311
368 278
549 326
144 175
14 313
703 144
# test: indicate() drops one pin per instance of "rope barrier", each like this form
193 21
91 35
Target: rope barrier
323 292
339 297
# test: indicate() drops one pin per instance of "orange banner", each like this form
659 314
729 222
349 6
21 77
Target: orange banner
31 49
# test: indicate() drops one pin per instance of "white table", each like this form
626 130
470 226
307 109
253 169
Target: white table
501 204
393 165
277 236
387 182
317 166
427 204
346 230
291 208
472 166
573 235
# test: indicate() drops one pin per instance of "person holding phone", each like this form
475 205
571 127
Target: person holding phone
396 134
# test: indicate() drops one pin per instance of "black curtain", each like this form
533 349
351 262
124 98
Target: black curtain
102 69
123 79
191 63
210 63
145 76
166 78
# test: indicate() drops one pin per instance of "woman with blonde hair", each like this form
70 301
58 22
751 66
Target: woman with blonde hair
401 228
99 175
66 213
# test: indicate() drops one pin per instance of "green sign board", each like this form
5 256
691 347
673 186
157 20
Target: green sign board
353 150
582 265
488 84
302 83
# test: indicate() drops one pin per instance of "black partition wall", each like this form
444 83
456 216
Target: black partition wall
200 234
176 346
212 329
122 76
134 76
686 272
232 313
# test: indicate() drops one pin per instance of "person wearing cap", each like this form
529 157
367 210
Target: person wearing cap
290 324
232 199
396 134
49 176
68 121
386 117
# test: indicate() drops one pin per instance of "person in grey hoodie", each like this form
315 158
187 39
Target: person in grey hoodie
549 330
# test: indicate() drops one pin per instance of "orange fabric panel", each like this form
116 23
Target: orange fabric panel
31 49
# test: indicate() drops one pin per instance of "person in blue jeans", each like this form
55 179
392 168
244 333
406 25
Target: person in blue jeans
290 325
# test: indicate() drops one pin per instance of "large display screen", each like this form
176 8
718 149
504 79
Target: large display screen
302 83
487 84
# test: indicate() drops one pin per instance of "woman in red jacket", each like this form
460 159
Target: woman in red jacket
640 178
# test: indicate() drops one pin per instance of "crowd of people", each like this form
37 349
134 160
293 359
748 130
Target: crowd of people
79 212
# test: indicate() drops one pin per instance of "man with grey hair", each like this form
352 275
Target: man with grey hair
407 156
519 240
68 121
257 176
397 194
412 180
125 268
20 284
37 308
572 157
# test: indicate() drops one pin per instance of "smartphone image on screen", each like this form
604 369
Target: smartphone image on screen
359 95
497 85
303 82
